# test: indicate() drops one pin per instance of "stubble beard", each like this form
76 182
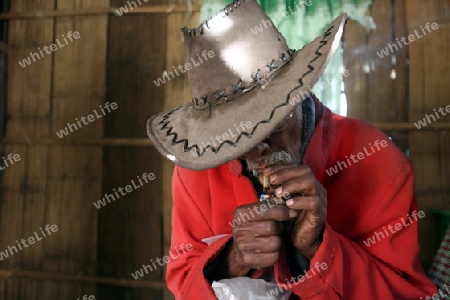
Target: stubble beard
279 157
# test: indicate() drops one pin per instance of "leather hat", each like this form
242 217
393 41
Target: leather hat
244 81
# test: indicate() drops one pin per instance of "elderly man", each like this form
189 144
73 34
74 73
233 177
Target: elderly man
337 218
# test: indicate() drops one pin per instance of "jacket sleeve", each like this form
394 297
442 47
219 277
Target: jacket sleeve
185 277
388 268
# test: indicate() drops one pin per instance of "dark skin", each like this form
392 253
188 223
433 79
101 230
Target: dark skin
257 243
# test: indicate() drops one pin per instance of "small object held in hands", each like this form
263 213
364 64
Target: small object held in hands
270 199
265 182
267 198
264 197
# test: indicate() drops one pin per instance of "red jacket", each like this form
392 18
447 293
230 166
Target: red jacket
363 200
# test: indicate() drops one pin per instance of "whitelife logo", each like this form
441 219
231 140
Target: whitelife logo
378 236
295 281
440 294
411 38
266 24
244 217
31 240
187 67
341 165
423 122
27 61
86 120
128 189
10 158
166 259
124 9
327 81
86 297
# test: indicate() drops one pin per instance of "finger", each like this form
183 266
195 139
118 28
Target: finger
262 211
267 228
313 205
282 175
258 261
273 170
266 245
248 212
306 232
273 212
276 168
302 185
258 229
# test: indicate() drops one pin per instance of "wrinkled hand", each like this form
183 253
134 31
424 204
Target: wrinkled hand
257 241
308 197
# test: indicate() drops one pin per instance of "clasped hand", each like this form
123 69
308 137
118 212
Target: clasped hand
257 242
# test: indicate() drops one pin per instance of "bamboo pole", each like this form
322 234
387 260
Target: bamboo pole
3 47
38 275
145 142
151 9
27 141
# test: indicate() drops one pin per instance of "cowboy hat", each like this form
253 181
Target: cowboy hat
244 82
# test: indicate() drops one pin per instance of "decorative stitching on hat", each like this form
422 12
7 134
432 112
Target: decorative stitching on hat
200 102
219 97
192 32
185 142
257 76
272 66
237 87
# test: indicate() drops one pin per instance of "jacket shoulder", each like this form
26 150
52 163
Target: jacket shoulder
354 136
193 179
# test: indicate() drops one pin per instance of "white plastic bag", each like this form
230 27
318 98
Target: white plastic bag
245 288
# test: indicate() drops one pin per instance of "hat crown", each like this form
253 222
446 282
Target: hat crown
198 138
233 52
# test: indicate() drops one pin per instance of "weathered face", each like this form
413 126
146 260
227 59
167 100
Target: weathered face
281 147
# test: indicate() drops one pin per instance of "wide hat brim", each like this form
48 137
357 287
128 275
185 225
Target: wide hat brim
203 139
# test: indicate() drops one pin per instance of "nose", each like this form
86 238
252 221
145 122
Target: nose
259 150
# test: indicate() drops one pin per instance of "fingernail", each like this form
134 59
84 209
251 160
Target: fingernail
273 178
290 202
279 192
293 213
